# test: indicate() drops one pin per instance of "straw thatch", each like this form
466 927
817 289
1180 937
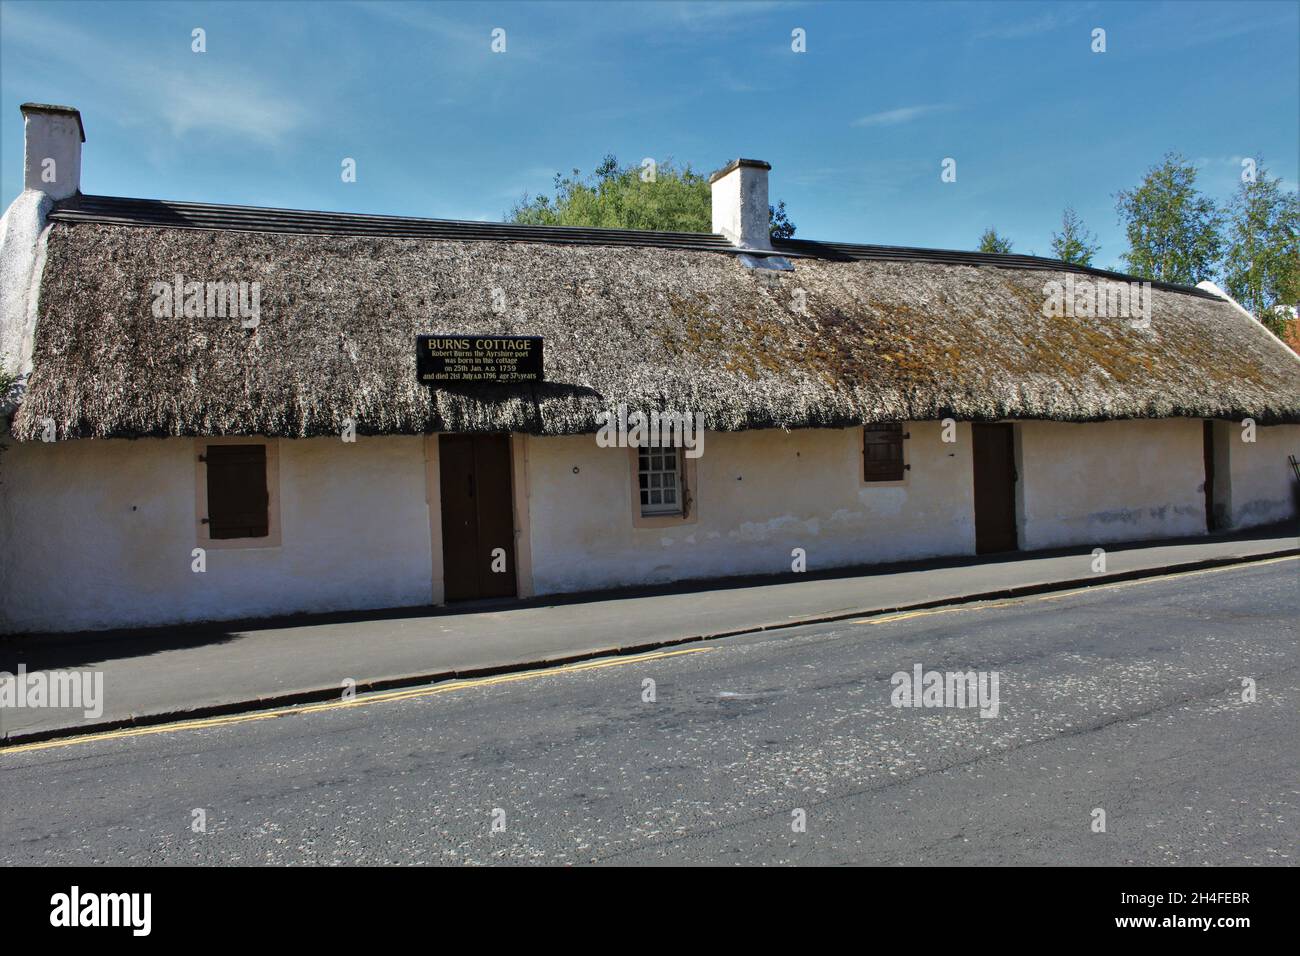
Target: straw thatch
655 328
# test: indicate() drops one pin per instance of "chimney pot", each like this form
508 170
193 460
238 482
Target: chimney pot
52 149
740 208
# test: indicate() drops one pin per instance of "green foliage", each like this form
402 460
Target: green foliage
1074 243
7 383
1173 230
990 241
780 225
1262 266
677 199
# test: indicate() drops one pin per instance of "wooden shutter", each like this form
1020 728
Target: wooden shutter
882 452
238 503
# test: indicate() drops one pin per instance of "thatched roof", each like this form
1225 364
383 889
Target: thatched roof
652 325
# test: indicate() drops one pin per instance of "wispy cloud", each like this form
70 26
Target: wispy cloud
213 98
233 107
1224 172
460 41
1020 29
423 18
1219 26
707 16
904 114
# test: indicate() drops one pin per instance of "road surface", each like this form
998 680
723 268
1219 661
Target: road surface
1126 699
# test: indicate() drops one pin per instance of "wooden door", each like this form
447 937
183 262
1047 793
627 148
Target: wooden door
994 454
478 528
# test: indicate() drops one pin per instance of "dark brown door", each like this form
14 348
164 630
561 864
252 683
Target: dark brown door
1207 432
995 487
478 527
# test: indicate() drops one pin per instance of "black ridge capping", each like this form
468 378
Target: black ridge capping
214 217
851 252
210 217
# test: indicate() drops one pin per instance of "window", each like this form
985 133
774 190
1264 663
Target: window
659 478
882 452
238 502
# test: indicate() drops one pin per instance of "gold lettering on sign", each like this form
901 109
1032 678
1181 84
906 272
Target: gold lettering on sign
482 359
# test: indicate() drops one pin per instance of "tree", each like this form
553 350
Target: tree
990 241
1074 243
675 199
780 225
1261 269
1173 230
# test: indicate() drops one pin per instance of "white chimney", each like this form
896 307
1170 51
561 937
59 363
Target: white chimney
740 209
53 136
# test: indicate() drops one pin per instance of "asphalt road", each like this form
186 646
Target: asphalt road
1124 698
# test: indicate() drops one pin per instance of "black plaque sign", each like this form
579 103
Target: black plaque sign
460 359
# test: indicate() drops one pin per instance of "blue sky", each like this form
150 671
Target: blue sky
855 128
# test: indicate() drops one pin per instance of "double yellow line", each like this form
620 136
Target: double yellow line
382 697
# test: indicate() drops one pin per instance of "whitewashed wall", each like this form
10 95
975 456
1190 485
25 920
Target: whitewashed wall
1263 486
1109 481
759 495
99 533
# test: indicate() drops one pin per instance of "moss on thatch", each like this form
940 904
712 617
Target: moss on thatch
691 331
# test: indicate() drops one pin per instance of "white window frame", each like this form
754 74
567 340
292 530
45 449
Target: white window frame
688 493
649 457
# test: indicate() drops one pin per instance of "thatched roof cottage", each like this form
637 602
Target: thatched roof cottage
221 411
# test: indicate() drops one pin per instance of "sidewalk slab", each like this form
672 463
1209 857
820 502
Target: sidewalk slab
194 670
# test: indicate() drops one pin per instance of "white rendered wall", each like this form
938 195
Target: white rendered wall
1263 485
98 534
22 259
1109 481
759 495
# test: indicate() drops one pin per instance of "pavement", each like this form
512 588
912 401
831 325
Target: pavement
778 747
162 674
